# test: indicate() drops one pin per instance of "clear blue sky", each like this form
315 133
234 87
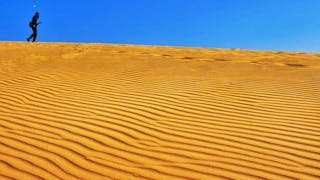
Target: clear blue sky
250 24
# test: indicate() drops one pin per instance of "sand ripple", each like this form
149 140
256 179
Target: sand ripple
71 111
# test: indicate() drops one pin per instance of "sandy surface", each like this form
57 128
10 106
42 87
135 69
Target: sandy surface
92 111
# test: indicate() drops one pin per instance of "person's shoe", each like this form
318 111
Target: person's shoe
28 39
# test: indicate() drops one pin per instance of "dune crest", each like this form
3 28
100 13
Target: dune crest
97 111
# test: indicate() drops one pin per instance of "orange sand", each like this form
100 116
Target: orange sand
93 111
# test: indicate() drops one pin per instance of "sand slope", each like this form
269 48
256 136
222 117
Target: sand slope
92 111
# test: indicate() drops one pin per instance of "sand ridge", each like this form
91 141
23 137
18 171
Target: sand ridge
104 111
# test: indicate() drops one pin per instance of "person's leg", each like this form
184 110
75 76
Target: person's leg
35 33
31 36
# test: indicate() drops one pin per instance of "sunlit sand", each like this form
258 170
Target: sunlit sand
94 111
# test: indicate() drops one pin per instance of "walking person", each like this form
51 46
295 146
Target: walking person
33 25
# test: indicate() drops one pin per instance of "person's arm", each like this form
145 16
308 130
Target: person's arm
34 22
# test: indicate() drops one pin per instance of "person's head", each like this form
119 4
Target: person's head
36 14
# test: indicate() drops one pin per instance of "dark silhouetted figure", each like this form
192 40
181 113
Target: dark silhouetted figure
33 25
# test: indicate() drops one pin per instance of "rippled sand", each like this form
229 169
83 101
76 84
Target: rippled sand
94 111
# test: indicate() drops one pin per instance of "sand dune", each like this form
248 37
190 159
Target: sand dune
94 111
